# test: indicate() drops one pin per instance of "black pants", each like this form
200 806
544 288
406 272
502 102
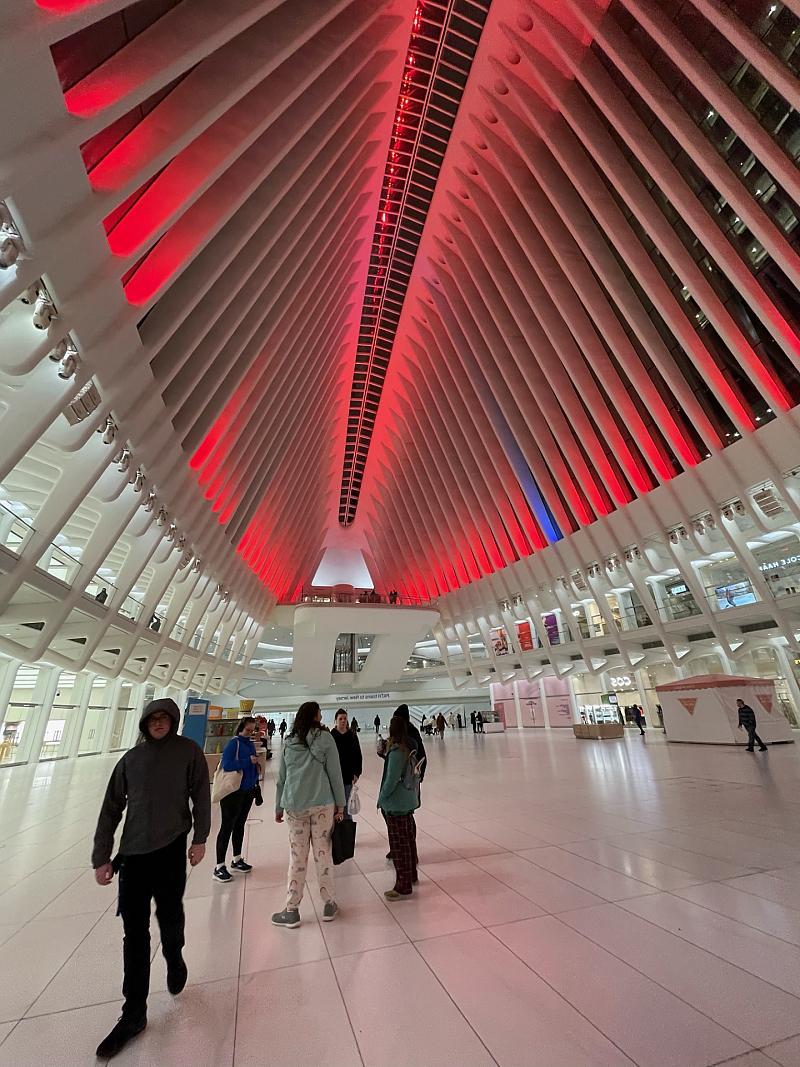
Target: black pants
159 876
753 736
235 808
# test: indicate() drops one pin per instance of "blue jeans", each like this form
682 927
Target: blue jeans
347 790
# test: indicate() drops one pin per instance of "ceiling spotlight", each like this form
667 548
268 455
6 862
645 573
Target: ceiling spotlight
44 310
710 521
699 526
162 517
198 563
60 350
738 507
10 248
673 537
184 561
138 480
171 532
31 294
123 459
727 512
181 542
109 431
149 501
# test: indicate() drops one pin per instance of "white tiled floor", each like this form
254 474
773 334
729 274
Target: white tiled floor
579 905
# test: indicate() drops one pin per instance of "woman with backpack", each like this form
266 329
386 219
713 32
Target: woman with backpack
238 755
310 791
398 800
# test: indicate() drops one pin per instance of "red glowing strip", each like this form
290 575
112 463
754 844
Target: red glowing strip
65 7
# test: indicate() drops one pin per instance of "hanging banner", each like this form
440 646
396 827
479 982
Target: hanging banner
525 637
499 639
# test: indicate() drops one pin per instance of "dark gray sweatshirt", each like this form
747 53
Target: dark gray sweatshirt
155 781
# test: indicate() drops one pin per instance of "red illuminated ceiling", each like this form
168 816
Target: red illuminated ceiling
444 38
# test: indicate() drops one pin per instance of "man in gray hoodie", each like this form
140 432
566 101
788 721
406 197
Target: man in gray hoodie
155 781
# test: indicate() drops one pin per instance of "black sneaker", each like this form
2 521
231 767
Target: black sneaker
123 1032
222 874
241 865
177 973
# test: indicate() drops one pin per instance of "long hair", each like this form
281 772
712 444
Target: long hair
305 721
398 733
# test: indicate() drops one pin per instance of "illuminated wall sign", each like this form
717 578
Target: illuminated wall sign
776 564
358 698
621 681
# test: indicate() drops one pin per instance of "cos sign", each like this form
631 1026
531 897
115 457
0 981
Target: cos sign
620 681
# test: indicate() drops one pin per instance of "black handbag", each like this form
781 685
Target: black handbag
343 841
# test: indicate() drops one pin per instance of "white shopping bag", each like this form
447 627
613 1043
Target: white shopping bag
354 803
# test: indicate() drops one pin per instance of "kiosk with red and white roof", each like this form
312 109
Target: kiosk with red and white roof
703 709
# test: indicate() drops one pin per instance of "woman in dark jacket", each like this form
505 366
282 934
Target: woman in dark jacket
238 755
349 755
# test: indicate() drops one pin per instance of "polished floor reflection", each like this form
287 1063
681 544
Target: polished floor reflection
581 904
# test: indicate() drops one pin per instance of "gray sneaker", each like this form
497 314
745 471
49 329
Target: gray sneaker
289 917
330 911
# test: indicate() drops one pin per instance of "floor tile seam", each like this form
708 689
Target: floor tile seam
656 982
702 948
701 881
774 1044
450 997
558 993
63 965
751 870
464 906
583 888
760 869
36 918
344 1001
37 870
758 896
742 922
239 960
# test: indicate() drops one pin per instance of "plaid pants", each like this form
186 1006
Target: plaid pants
403 846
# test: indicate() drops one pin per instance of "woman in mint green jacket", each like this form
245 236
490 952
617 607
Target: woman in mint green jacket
398 800
310 791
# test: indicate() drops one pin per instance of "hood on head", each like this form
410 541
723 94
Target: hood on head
165 704
402 712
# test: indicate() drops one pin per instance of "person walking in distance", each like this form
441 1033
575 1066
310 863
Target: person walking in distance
638 718
349 756
398 800
282 729
156 781
310 791
238 755
747 721
377 723
441 725
473 718
479 721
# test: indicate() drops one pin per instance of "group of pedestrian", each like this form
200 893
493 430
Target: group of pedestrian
162 787
476 718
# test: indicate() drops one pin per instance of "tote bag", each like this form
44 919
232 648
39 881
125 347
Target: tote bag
225 782
343 841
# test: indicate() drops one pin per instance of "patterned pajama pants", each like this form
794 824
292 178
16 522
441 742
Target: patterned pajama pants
403 846
310 827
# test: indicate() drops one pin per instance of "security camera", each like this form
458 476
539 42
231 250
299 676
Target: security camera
44 311
10 248
69 365
31 294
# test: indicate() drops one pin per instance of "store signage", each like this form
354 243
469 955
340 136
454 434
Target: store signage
775 564
499 639
767 702
355 698
688 703
621 681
